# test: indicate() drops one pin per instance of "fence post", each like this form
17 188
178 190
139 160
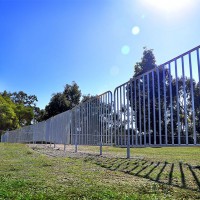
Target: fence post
128 120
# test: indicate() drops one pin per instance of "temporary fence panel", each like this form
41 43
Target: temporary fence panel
162 106
92 121
60 128
39 132
4 137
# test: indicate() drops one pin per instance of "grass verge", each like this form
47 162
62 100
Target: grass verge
26 174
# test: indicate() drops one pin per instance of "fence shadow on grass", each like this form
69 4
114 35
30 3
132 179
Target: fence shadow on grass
178 174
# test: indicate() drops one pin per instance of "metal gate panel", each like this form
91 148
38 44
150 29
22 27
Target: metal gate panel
92 121
160 107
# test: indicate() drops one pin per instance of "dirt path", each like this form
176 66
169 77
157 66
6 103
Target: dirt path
58 151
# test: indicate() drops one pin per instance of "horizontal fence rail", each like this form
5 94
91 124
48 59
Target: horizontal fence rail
160 107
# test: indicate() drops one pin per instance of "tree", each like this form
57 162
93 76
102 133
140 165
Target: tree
72 94
23 106
86 98
39 114
64 101
22 98
24 114
8 117
57 104
147 62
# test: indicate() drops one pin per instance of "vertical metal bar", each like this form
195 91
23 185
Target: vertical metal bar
192 96
108 118
185 102
140 124
79 135
144 110
115 118
54 132
149 123
103 123
106 115
159 108
97 121
89 136
87 122
94 120
131 85
125 142
102 119
82 124
91 122
101 108
99 117
136 135
177 103
118 116
121 114
111 118
198 63
154 113
171 104
128 121
165 109
76 148
79 142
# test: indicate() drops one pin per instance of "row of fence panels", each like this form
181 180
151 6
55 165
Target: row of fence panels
160 107
54 130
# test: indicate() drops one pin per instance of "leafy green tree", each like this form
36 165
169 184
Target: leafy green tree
57 104
39 114
24 114
23 106
8 117
147 62
72 93
86 98
64 101
23 98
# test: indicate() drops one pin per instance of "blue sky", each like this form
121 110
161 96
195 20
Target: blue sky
45 44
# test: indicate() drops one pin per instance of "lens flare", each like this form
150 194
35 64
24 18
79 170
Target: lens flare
169 5
135 30
125 50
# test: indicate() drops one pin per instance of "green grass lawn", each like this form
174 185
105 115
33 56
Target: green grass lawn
152 173
190 155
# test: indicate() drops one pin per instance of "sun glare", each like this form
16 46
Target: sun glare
169 5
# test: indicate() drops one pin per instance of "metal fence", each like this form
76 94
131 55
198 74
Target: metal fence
92 121
54 130
158 108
